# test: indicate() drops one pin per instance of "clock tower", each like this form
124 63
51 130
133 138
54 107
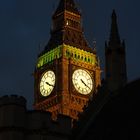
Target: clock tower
67 71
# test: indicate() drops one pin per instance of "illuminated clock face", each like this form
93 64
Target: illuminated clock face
82 81
47 83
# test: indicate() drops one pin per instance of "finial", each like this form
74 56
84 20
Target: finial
94 45
114 14
105 43
123 43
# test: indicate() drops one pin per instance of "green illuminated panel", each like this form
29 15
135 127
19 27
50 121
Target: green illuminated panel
80 55
67 52
49 56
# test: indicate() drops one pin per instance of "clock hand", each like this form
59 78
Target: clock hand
85 84
48 84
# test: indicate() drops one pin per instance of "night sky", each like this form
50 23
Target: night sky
25 25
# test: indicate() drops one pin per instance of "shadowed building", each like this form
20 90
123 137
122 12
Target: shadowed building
117 119
115 58
17 123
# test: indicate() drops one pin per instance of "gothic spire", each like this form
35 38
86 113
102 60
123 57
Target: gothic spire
114 34
67 5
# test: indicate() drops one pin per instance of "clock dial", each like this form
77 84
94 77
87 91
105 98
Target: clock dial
82 81
47 83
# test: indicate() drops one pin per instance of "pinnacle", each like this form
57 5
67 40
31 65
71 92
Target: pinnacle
114 33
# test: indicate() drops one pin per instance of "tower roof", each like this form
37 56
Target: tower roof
67 5
67 28
114 33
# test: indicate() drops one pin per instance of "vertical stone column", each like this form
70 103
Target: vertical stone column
98 77
65 84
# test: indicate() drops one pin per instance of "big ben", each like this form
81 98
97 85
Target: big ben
67 71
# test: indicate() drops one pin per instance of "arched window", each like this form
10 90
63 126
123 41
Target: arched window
78 56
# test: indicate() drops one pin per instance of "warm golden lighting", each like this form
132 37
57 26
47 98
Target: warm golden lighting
82 81
67 23
47 83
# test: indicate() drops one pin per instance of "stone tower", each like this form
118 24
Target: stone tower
67 71
115 58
